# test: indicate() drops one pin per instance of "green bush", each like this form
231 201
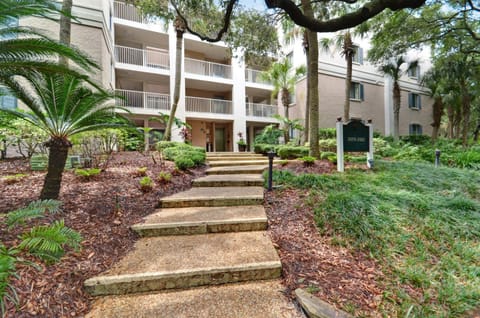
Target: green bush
141 172
87 174
308 160
417 139
164 177
184 162
289 152
269 135
146 184
161 145
327 154
327 133
327 144
264 148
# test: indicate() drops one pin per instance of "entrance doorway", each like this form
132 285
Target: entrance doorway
219 139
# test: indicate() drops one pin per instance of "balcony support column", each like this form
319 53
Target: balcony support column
238 99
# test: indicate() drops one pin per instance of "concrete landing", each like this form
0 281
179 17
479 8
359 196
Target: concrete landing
233 180
246 300
232 158
214 196
231 154
174 262
226 163
251 169
201 220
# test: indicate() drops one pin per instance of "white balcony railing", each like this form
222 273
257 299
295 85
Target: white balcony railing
208 105
146 58
205 68
261 110
254 76
142 100
128 12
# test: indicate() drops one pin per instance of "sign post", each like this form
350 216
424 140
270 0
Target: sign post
354 136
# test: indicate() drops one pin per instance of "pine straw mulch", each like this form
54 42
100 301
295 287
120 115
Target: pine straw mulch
102 210
347 279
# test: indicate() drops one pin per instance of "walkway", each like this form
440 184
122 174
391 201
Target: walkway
204 253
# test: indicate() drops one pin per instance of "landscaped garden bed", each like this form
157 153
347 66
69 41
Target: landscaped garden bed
101 208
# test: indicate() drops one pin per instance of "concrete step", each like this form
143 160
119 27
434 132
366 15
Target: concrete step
256 169
176 262
234 154
227 163
232 180
231 158
253 300
201 220
214 196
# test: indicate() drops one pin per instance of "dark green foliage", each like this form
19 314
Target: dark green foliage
48 241
184 162
292 152
87 174
327 144
327 133
269 135
161 145
264 148
8 270
417 139
327 154
35 209
164 177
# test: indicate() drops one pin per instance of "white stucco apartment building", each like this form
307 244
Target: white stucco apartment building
220 96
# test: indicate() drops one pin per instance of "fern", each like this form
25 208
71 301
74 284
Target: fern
34 210
48 241
8 262
52 206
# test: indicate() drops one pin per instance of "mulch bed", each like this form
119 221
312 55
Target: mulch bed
102 210
348 279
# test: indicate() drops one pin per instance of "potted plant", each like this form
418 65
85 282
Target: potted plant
242 145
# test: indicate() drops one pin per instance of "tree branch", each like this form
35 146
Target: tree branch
369 10
226 22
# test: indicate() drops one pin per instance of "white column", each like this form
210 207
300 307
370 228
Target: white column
388 105
370 142
172 50
238 99
340 163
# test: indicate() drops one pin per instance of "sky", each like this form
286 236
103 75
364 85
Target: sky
255 4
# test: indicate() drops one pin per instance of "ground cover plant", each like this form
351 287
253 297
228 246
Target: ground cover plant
421 223
100 210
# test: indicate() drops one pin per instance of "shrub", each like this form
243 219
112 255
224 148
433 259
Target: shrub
269 135
141 172
417 139
184 162
87 174
8 270
327 144
264 148
164 177
308 160
13 178
289 152
146 184
327 133
161 145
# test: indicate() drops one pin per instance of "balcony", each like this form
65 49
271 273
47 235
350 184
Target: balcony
146 58
205 68
142 100
131 13
208 105
261 110
254 76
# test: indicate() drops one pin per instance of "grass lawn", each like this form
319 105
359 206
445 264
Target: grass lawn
421 223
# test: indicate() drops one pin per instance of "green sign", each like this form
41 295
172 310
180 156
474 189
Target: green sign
356 136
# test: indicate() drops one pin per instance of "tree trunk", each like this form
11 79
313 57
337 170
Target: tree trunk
58 153
465 112
285 102
307 98
396 110
312 74
457 122
451 115
437 117
180 28
65 27
476 132
348 47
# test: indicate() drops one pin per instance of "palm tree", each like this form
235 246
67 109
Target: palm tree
283 77
395 69
62 106
24 50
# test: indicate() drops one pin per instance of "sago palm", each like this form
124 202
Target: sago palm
62 106
24 50
283 77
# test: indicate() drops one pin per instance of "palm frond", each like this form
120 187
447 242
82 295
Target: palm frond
52 206
20 216
48 241
8 270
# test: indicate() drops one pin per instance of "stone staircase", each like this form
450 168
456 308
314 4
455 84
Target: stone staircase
203 253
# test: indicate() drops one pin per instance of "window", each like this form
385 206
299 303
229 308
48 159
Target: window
357 91
414 72
415 129
414 101
358 56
